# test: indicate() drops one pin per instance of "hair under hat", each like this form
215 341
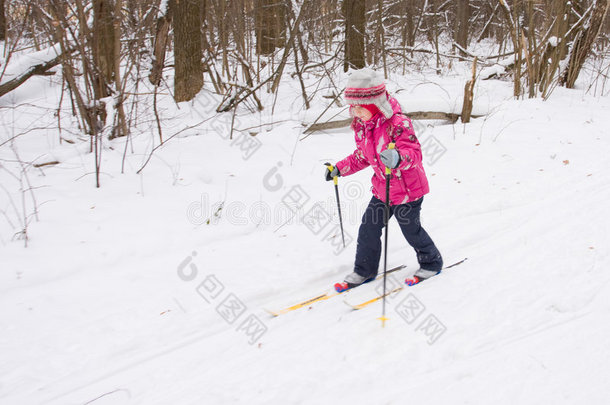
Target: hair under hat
365 86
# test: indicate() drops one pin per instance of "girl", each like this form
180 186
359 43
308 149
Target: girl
378 121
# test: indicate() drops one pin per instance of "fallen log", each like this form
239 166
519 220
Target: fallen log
39 69
416 115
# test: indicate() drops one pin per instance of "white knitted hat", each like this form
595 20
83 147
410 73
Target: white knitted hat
365 86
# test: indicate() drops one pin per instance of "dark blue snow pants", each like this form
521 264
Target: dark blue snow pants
368 250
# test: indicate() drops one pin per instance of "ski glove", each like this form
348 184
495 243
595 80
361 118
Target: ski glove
330 174
390 158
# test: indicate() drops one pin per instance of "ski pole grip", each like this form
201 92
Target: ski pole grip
331 168
387 169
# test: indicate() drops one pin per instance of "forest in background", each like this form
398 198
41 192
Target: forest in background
243 47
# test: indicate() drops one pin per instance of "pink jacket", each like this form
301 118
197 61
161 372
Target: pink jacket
408 182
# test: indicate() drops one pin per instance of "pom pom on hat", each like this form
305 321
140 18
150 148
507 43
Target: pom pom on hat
365 86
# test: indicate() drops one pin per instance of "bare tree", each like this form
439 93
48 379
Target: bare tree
354 12
269 25
2 20
584 41
462 25
103 47
515 35
188 79
160 47
408 35
120 129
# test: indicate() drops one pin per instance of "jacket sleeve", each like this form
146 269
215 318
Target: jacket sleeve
407 145
352 164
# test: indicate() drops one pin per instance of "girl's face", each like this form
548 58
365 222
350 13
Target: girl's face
361 112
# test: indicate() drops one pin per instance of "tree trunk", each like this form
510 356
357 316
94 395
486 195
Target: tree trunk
161 38
121 124
354 12
409 27
469 94
280 69
462 24
381 37
270 17
103 47
583 42
513 29
188 51
264 26
2 21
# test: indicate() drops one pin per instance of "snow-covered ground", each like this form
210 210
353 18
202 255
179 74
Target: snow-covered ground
153 288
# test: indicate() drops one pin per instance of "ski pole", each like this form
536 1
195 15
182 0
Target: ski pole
386 219
336 181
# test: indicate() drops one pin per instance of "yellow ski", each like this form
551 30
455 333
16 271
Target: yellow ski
322 297
380 296
377 298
